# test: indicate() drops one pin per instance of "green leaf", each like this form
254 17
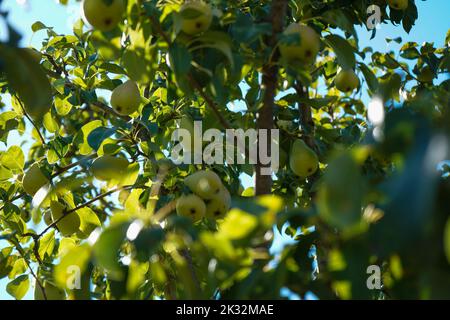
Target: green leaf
19 268
345 53
18 288
147 242
72 264
13 159
106 249
50 123
131 174
98 135
371 79
81 138
340 192
28 80
47 244
89 221
35 27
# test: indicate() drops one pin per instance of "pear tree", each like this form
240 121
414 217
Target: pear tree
87 180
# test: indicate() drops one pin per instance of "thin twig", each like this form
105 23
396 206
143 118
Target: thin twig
31 120
21 252
73 165
83 205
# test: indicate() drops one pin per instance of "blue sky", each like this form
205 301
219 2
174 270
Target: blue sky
431 26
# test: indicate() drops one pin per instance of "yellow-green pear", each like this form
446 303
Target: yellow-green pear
104 15
191 206
109 167
51 292
305 50
70 224
33 180
398 4
196 17
346 81
126 98
205 184
217 207
303 160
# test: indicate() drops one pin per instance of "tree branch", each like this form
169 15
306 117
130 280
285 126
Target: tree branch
210 102
263 183
306 120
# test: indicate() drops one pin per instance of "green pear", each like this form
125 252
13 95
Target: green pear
104 15
126 98
191 206
305 50
346 81
51 292
205 184
109 167
398 4
33 180
218 206
303 160
196 17
69 224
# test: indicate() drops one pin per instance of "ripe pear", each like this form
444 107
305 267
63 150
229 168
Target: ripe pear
218 206
126 98
303 160
33 180
346 81
69 224
51 292
196 17
398 4
307 47
104 15
205 184
109 167
191 206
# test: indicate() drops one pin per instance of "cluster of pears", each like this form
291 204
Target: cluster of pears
346 80
126 98
303 51
398 4
303 161
209 199
196 17
104 15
